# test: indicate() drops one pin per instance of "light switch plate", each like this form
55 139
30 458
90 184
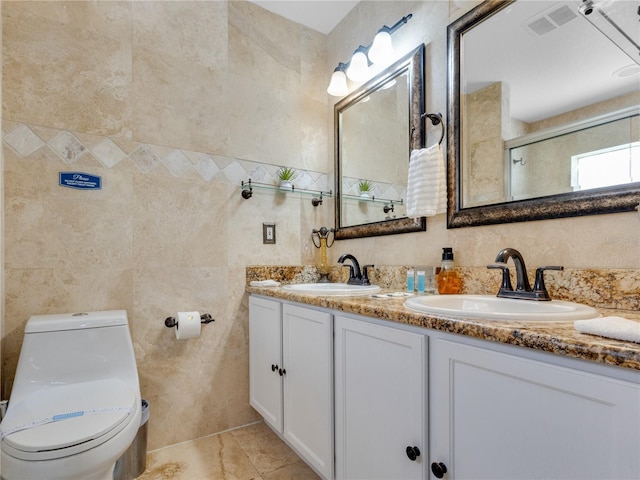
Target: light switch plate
268 233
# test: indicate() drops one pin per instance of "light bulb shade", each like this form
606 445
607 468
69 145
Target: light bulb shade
358 70
338 85
381 51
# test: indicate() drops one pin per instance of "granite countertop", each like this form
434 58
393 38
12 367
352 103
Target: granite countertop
559 338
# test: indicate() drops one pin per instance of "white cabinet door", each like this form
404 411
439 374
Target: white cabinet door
380 388
308 385
498 416
265 359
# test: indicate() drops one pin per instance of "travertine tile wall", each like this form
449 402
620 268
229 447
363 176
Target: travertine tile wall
172 104
484 142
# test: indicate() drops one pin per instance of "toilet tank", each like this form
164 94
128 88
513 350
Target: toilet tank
75 321
69 348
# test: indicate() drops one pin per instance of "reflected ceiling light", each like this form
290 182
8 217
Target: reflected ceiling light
366 61
587 7
388 84
338 86
627 71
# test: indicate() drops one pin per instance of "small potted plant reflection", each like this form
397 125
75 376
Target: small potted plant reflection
286 175
364 188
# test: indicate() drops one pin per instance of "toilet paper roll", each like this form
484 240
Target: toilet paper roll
188 325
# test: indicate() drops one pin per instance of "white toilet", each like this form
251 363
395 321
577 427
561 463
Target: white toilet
75 405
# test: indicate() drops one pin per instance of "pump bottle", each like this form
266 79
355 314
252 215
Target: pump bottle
449 280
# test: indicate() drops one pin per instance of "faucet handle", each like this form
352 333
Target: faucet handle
539 287
365 274
506 277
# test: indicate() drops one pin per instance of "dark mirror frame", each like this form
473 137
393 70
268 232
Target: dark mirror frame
414 62
623 198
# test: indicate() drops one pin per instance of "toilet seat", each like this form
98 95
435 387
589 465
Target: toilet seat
67 419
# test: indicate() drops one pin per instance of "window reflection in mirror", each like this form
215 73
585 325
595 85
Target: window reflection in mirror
603 168
594 157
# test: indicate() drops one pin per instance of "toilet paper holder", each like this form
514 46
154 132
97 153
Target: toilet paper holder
171 322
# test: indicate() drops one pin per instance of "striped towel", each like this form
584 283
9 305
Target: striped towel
426 186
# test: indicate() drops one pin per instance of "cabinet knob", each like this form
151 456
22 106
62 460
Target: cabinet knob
413 453
282 372
438 469
274 367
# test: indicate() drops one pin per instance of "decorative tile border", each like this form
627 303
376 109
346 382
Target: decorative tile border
24 141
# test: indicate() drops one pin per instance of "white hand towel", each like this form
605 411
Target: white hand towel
264 283
426 185
611 327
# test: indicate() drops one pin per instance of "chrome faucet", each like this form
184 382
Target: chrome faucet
356 277
523 287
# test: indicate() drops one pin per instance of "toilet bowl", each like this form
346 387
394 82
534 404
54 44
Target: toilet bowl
75 404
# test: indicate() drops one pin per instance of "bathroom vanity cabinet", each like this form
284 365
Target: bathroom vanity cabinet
380 401
265 359
291 376
489 410
501 416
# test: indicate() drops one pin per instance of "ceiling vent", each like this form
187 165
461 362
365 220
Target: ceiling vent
550 20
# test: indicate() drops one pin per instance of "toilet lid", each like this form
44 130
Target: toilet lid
74 416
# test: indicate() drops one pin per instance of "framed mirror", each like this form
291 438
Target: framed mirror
376 127
543 111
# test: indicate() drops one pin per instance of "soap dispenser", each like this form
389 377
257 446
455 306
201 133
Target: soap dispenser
449 280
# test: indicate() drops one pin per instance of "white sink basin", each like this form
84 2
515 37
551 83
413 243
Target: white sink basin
335 289
494 308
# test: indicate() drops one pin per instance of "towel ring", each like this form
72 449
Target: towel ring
436 119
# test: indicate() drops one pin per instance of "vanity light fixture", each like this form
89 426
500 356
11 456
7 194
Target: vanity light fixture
380 53
358 69
338 85
381 50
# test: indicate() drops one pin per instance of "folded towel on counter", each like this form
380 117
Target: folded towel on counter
264 283
392 295
611 327
426 185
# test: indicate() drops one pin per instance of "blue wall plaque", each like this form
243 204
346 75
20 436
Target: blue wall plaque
80 180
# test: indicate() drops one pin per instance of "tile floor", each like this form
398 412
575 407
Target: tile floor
253 452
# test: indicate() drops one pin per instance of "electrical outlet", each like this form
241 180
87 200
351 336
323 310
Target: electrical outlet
269 233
